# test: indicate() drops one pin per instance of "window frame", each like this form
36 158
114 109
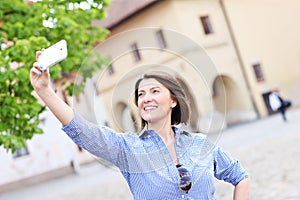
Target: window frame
21 152
259 75
206 24
161 39
135 51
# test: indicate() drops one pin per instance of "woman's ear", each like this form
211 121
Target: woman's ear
174 102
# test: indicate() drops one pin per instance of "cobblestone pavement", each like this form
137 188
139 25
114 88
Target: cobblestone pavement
268 148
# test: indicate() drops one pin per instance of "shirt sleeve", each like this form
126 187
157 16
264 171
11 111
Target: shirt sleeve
100 141
227 168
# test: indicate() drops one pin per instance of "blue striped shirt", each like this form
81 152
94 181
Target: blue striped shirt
147 165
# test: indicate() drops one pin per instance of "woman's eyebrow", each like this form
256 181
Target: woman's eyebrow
154 87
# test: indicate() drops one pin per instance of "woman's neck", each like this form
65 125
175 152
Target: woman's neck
165 131
167 134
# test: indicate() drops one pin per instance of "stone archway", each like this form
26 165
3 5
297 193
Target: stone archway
194 115
124 118
226 98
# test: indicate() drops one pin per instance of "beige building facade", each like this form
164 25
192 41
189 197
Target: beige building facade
268 34
227 54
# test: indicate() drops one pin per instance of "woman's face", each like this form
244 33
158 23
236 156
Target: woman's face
154 101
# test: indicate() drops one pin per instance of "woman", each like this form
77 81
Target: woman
163 161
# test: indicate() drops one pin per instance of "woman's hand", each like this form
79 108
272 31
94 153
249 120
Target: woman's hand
39 79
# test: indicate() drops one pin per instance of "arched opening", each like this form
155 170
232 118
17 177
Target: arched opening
227 98
219 93
194 115
124 118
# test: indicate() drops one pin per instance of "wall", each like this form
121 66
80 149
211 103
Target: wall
47 152
268 32
212 55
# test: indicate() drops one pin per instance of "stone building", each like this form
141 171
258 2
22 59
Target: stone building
228 55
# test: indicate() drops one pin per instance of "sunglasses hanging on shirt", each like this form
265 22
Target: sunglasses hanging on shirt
185 182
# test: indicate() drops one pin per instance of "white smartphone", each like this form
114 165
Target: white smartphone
53 55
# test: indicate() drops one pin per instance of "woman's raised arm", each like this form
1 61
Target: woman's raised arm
40 80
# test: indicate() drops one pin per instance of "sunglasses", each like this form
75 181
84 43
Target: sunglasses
185 182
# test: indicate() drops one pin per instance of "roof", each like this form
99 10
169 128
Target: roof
119 10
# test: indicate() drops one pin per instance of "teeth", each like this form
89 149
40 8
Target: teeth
149 108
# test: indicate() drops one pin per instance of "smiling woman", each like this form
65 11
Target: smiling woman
163 84
162 161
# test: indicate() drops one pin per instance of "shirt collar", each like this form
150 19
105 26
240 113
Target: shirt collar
147 133
178 133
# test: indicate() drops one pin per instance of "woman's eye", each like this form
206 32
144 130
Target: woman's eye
140 94
155 91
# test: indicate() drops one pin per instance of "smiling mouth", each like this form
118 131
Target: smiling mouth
150 108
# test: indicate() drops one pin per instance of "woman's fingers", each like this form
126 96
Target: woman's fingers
38 53
35 70
39 78
36 65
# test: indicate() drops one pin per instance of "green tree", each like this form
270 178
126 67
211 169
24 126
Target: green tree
28 26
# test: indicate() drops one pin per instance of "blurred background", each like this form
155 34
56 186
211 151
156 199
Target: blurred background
228 55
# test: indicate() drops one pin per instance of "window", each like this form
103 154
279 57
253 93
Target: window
96 88
109 66
161 39
136 53
110 69
258 72
206 24
20 152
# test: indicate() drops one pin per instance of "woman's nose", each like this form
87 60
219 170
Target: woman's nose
147 97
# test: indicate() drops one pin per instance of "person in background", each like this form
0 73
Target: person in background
278 104
161 161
